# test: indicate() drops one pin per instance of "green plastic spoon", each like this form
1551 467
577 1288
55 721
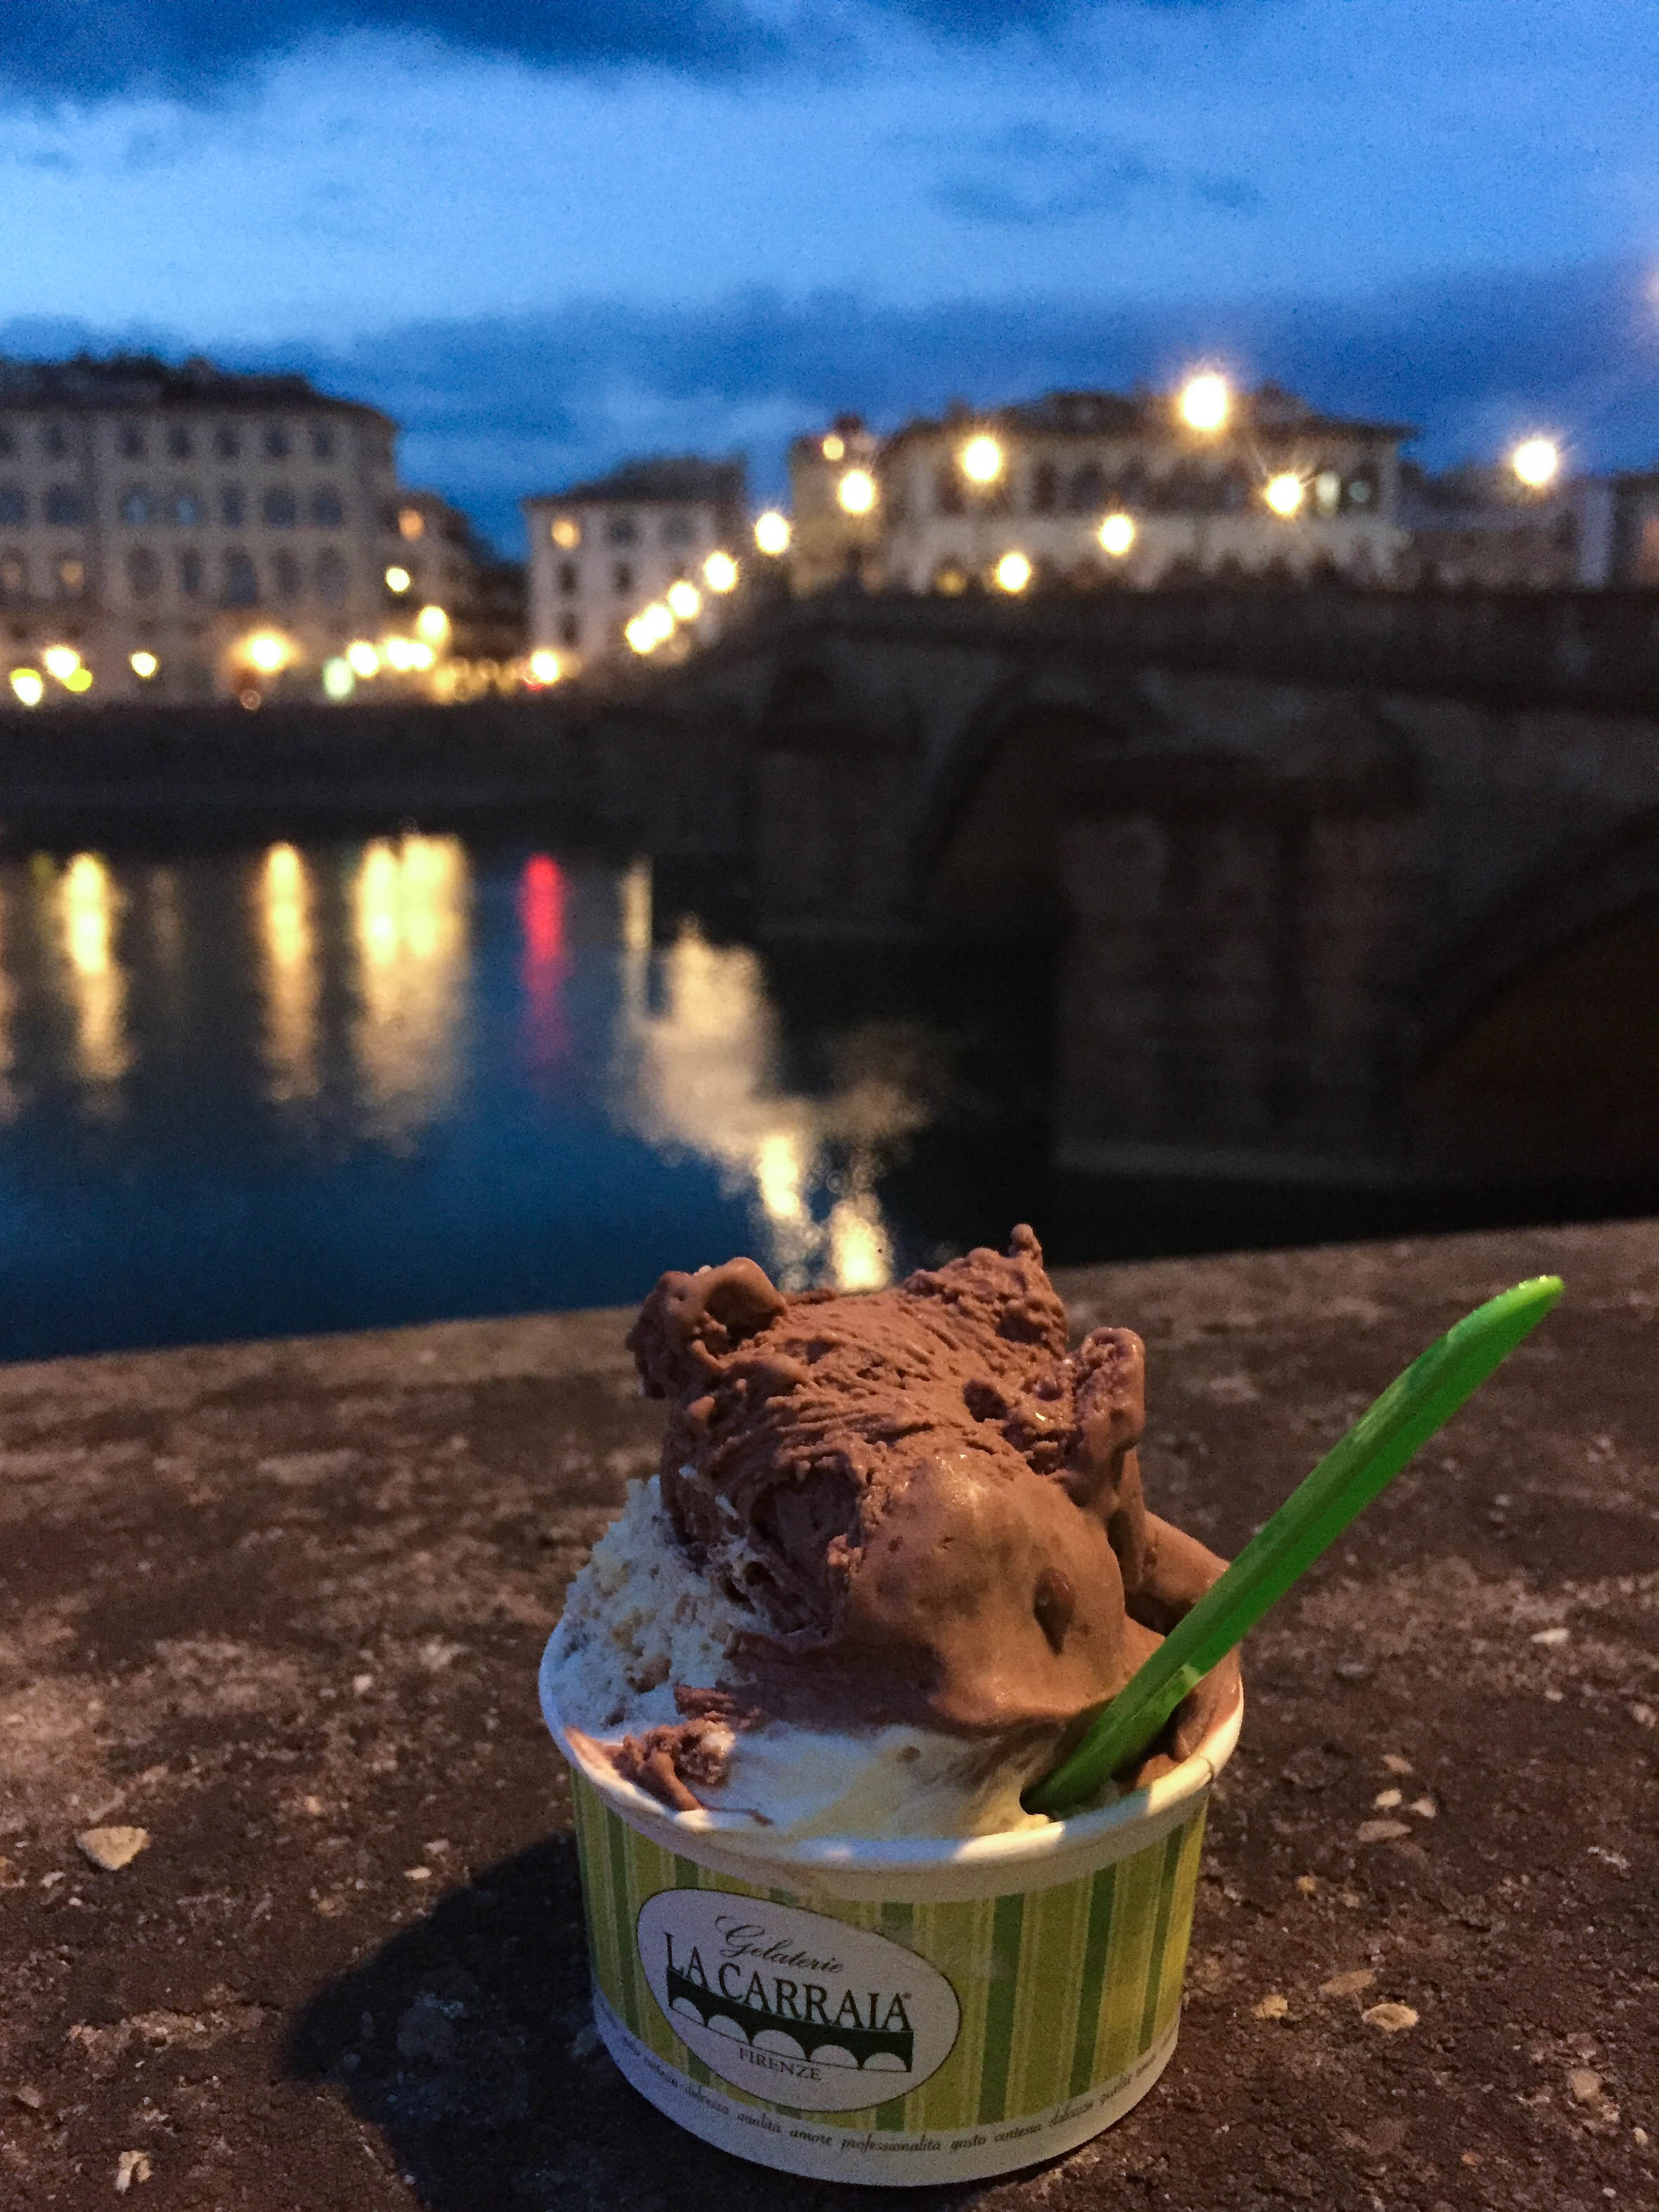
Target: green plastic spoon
1414 1405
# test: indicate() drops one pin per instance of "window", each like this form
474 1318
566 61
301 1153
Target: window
1045 487
679 529
14 576
285 571
187 508
54 439
14 506
277 441
233 505
279 509
136 504
411 523
322 441
179 441
189 573
241 585
570 630
327 511
1088 488
66 506
130 440
947 491
227 443
330 578
1360 491
570 578
622 576
71 577
622 530
144 573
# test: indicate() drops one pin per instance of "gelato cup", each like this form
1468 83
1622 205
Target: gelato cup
890 2011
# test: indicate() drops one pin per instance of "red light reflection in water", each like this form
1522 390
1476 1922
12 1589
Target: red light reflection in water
541 917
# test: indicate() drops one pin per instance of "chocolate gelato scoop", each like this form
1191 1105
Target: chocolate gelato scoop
934 1508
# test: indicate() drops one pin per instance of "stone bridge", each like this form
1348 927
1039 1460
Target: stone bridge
1340 884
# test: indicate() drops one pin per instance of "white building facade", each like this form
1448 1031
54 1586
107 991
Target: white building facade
1086 488
156 521
605 552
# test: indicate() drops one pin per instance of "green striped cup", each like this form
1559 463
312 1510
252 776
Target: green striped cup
890 2011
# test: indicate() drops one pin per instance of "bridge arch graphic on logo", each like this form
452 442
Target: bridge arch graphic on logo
791 2006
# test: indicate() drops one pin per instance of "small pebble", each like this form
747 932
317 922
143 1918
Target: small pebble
1348 1985
1386 1799
1640 2137
31 2097
1381 1832
132 2165
1308 1884
1471 2158
1584 2085
1643 1716
1273 2007
112 1848
314 1806
1390 2018
417 1874
1424 1808
1552 1635
1352 1670
585 2042
1395 1764
362 1684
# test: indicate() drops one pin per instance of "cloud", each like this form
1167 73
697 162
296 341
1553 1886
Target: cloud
496 408
190 49
1030 176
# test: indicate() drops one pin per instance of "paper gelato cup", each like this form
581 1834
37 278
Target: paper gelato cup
885 2011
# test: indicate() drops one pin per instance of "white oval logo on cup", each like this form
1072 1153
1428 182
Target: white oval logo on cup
793 2006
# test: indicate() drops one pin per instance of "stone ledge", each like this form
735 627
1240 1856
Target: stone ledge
279 1606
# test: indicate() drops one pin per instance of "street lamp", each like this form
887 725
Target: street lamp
1205 402
1537 463
1284 493
772 532
982 459
719 573
1117 535
1013 572
143 664
857 491
685 599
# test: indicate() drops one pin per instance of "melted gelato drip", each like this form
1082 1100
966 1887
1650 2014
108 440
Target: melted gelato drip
928 1511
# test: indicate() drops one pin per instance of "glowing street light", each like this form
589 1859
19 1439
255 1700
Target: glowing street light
565 532
28 686
78 680
397 578
857 491
982 459
339 678
432 623
772 532
362 659
1117 534
1284 493
1206 401
834 448
719 573
1536 462
406 654
144 665
61 661
1013 572
266 651
685 600
544 666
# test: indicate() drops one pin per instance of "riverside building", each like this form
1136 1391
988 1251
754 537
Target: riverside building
640 562
188 533
1086 488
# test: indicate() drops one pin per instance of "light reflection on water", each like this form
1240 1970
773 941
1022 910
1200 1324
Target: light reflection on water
351 1084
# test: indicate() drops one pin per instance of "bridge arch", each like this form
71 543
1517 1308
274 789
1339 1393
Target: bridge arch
1540 1035
986 834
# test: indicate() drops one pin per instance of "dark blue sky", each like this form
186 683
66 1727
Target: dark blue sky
548 232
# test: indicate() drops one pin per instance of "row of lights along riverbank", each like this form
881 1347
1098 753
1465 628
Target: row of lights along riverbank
660 621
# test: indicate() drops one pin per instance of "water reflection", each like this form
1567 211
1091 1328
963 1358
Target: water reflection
700 1055
290 1045
87 907
410 916
542 892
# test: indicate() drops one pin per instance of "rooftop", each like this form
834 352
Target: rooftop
668 478
146 381
279 1607
1270 409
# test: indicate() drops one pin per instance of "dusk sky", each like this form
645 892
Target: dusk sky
547 234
